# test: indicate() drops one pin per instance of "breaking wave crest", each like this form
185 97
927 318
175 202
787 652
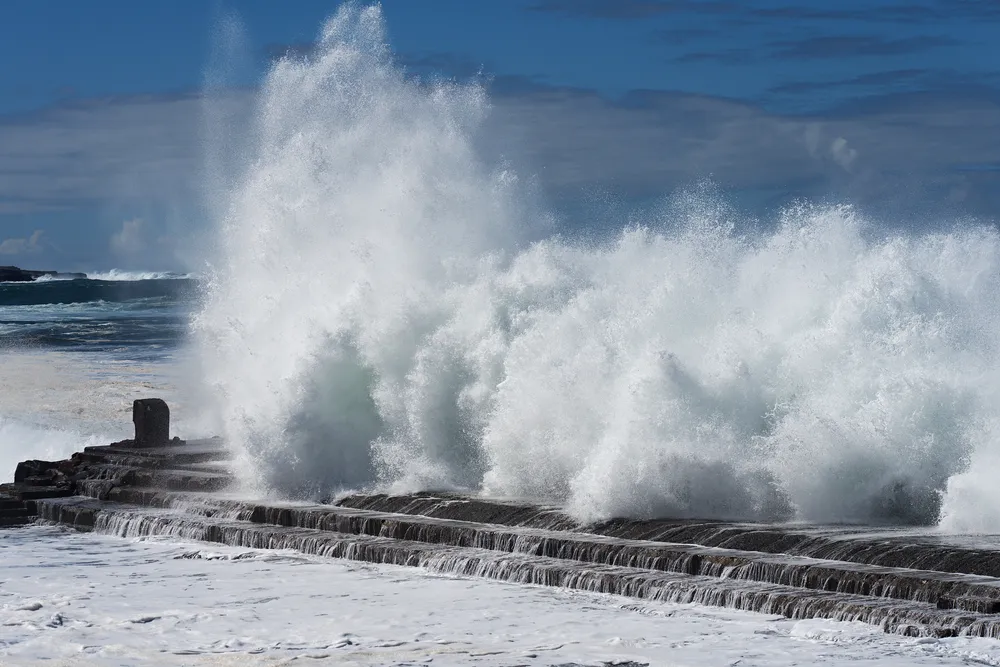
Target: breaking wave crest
118 275
388 310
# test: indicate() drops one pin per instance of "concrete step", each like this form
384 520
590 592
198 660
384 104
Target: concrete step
8 502
177 479
962 591
25 492
39 480
14 522
919 618
190 452
907 547
15 512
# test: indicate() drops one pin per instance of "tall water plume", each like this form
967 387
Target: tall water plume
389 310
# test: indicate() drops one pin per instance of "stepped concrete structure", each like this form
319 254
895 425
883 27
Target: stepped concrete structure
904 580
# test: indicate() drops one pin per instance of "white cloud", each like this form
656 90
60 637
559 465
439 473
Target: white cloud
102 151
22 246
130 239
842 153
114 153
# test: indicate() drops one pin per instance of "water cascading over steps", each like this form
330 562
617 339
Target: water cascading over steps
913 582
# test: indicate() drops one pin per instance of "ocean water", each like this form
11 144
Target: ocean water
74 354
135 316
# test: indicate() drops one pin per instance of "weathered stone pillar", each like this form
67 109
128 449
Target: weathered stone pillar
151 417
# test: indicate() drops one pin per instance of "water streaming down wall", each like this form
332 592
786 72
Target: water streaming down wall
795 588
389 311
919 549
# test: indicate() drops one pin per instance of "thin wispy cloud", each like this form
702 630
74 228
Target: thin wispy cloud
892 11
722 56
631 9
847 46
103 149
901 13
683 35
873 79
819 48
149 149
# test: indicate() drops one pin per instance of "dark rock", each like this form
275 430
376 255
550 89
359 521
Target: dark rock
151 417
32 468
13 274
8 502
25 492
39 480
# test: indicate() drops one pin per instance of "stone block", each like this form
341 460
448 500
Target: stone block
151 417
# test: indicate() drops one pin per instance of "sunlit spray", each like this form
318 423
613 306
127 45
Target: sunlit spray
385 313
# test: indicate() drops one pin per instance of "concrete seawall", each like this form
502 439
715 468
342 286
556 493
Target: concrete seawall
904 581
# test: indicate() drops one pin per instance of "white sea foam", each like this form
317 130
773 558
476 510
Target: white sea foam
114 275
72 599
43 279
118 275
388 310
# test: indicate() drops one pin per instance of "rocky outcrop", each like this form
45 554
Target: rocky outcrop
13 274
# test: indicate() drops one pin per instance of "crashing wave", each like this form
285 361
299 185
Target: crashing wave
388 310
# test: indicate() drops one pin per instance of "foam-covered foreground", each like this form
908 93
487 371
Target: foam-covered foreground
75 599
390 310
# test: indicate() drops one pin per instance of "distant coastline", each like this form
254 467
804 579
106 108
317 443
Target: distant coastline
13 274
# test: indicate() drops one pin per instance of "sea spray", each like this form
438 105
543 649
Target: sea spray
22 440
363 201
388 310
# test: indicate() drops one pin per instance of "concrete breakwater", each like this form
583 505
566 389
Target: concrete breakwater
906 581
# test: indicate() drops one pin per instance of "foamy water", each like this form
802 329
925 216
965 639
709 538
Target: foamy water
119 275
72 599
57 403
389 310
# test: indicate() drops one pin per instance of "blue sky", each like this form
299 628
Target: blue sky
892 105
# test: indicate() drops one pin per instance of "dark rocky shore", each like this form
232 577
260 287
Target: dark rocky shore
904 581
13 274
